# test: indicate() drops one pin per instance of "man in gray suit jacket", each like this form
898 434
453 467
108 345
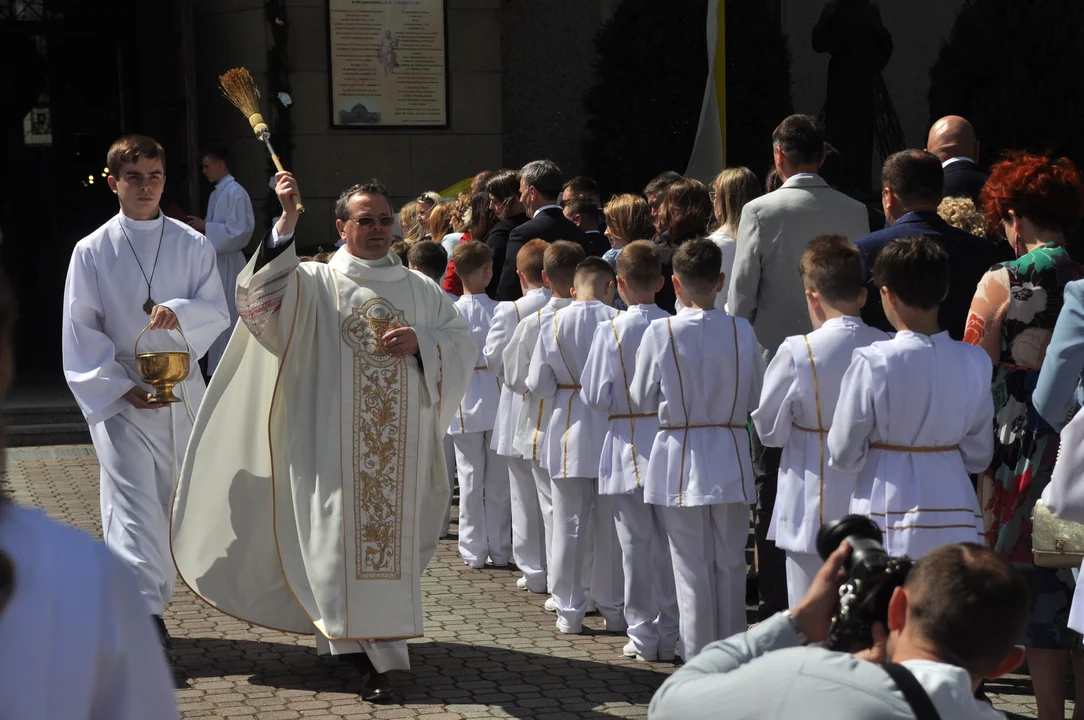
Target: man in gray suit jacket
776 228
767 290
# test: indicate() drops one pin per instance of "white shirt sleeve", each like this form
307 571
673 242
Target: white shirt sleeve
275 240
233 230
854 419
598 372
647 378
774 416
541 379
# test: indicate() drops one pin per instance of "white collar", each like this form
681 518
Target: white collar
556 302
141 225
950 161
544 290
844 321
226 180
385 269
544 208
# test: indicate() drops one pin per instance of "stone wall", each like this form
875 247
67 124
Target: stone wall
230 33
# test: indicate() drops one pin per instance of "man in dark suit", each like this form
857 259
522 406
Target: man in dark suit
953 141
539 188
913 183
503 189
583 212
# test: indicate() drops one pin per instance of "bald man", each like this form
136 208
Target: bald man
953 141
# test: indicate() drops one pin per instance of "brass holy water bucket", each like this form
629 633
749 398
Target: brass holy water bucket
163 369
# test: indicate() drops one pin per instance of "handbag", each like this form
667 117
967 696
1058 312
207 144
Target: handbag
1057 521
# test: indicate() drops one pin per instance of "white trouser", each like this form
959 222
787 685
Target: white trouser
801 569
606 581
528 535
485 509
544 489
449 460
573 515
651 607
385 654
139 466
707 544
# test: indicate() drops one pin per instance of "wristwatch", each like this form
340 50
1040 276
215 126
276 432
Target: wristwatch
793 621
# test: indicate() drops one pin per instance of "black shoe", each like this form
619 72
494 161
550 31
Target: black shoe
163 634
376 688
752 594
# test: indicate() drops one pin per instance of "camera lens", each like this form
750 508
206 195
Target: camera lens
867 552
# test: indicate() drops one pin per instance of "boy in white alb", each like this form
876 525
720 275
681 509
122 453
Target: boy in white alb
915 413
431 260
651 611
485 509
799 396
558 270
701 371
528 536
573 445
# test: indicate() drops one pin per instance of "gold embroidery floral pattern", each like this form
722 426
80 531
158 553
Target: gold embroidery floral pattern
380 420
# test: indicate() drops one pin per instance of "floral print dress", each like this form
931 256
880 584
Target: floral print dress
1012 317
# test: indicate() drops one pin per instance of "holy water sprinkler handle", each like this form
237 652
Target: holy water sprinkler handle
264 133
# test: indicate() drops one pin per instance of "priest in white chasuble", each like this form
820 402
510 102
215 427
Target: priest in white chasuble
139 269
314 487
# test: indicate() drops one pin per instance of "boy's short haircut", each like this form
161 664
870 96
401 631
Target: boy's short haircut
471 257
698 263
832 266
529 260
130 149
640 264
560 261
594 270
401 248
916 269
429 258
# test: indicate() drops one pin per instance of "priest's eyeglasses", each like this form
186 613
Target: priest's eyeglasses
367 222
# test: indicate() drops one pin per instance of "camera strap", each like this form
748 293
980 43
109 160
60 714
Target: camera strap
913 692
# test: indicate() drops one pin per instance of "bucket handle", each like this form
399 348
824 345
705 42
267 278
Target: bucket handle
135 351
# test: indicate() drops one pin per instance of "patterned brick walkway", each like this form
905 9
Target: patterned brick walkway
490 649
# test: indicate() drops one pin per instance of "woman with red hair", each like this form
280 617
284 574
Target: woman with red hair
1039 203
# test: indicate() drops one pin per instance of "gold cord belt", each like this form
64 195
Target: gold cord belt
815 431
916 449
630 416
698 427
569 387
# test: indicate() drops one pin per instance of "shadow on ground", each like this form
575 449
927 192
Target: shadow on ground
521 683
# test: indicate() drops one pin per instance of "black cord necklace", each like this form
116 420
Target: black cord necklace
149 305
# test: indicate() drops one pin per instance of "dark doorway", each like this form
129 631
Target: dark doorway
84 72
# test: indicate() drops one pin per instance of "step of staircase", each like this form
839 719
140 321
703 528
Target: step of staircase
27 425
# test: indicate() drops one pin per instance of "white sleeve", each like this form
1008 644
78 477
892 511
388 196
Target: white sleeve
774 416
203 316
274 239
132 677
96 379
497 339
977 446
233 233
854 419
517 359
598 372
647 378
541 379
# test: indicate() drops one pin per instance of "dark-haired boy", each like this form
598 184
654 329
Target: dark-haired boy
914 414
650 603
570 452
139 270
799 396
701 370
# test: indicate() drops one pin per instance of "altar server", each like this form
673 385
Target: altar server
701 370
485 511
528 536
651 611
228 227
558 271
915 413
584 537
799 396
139 270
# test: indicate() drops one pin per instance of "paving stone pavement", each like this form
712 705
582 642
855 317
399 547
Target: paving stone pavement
489 651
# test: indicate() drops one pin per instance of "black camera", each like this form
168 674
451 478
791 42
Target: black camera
872 577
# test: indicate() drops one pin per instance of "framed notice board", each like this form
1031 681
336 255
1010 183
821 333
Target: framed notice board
388 63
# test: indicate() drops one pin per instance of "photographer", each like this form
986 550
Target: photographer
953 622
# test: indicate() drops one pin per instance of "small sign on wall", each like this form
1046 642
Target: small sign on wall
388 63
38 127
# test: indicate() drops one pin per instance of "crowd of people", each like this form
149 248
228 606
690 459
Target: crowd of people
615 385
